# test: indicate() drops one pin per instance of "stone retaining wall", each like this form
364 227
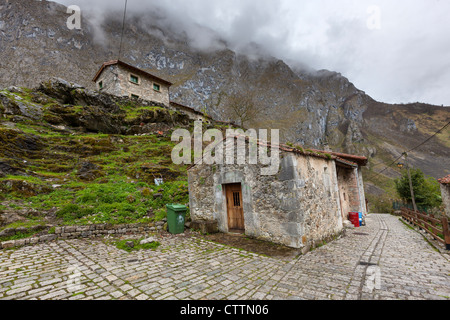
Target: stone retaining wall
75 232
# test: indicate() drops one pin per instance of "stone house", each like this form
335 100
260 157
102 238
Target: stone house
121 79
445 191
195 115
301 206
191 112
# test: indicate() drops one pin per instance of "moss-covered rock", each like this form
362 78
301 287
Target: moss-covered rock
88 171
23 187
84 142
15 104
16 143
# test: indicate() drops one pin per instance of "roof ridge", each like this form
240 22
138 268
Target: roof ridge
120 62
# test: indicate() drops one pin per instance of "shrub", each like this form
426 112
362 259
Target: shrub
426 189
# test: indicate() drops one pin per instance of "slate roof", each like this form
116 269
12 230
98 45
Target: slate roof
344 159
129 66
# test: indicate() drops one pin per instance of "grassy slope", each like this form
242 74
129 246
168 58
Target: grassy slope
427 119
122 189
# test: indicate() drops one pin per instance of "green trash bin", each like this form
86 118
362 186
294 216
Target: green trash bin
176 217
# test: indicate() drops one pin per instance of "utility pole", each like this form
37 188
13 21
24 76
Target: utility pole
410 182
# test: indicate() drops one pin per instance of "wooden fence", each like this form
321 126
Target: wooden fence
438 228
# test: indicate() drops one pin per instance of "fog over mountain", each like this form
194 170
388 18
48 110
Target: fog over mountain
396 51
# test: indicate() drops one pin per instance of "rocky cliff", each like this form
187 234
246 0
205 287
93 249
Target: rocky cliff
312 108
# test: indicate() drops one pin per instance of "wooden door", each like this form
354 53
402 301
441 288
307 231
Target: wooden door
235 207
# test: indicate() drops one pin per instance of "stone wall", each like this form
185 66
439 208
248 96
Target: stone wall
116 81
361 192
75 232
445 191
344 175
349 189
110 81
320 200
299 207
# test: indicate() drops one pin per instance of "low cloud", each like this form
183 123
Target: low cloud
396 51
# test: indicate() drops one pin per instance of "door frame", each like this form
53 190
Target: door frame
227 213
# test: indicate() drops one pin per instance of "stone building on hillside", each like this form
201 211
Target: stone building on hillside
191 112
195 115
124 80
121 79
301 206
445 191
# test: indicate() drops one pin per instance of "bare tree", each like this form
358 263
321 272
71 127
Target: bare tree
241 108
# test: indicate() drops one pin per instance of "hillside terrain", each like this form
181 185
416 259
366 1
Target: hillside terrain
94 160
320 109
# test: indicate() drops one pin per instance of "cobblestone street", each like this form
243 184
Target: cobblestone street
383 260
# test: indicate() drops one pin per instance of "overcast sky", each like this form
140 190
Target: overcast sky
397 51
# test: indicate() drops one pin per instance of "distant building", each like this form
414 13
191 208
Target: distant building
303 205
445 191
191 112
121 79
199 116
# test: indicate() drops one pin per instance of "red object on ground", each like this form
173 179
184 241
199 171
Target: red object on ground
354 218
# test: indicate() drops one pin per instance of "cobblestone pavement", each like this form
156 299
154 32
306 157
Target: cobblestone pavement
383 260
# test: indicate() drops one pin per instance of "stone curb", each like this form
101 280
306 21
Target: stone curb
76 232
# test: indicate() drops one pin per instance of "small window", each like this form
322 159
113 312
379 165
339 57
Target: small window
100 85
133 96
156 87
237 199
134 79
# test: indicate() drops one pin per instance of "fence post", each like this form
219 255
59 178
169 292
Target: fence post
446 232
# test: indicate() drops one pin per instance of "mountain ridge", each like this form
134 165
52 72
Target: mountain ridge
311 108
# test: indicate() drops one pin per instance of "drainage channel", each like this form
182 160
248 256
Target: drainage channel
374 257
371 256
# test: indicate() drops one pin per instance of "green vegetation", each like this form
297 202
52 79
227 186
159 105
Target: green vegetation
20 235
380 204
88 177
115 202
426 189
23 224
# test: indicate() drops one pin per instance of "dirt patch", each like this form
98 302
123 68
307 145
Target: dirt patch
243 242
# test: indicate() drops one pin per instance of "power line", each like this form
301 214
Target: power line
439 131
416 147
123 28
387 167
